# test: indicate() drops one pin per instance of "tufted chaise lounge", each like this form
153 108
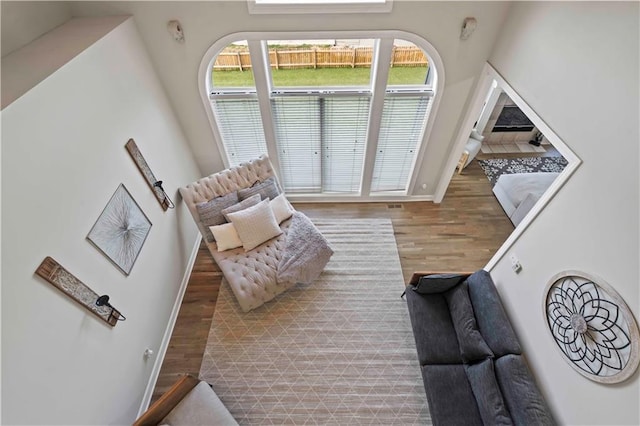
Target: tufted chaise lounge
252 275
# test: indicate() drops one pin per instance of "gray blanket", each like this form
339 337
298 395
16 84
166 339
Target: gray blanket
306 252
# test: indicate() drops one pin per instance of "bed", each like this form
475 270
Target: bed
295 252
517 193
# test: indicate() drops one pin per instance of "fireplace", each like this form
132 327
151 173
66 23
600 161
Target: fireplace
512 119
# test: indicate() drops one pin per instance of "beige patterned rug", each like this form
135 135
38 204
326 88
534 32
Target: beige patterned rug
339 351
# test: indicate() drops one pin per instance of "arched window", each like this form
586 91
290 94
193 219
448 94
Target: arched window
340 116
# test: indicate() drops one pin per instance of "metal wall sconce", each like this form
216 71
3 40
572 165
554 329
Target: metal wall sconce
55 274
152 181
114 315
167 201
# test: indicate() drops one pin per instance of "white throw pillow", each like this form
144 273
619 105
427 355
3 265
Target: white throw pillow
226 236
255 224
282 210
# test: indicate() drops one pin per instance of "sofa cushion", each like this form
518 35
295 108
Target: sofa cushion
438 283
255 225
282 210
201 406
492 320
432 328
244 204
472 345
482 378
520 393
226 236
451 400
268 189
210 212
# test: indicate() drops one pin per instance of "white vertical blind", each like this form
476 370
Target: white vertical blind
321 142
297 128
401 129
344 136
240 127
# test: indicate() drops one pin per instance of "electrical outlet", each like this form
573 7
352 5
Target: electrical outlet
515 264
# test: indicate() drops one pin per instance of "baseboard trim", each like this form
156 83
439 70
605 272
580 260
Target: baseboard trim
302 199
162 351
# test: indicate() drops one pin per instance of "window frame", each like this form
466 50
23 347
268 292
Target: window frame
436 77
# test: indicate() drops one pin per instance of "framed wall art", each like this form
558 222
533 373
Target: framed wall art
592 326
120 230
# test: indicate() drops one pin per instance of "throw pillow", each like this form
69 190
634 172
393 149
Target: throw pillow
268 189
282 210
472 344
251 201
211 212
255 224
438 283
484 386
226 236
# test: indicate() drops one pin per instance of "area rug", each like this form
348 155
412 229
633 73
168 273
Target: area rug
338 351
495 167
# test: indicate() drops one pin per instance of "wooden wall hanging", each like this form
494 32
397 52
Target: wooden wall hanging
66 282
154 184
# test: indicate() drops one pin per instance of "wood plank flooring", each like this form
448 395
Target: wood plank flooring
461 233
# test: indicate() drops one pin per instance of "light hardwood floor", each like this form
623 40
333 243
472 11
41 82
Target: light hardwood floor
460 234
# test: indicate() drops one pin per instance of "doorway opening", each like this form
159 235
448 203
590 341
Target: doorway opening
524 161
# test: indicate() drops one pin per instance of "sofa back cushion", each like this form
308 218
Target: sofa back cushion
472 345
491 405
520 393
432 328
492 320
450 397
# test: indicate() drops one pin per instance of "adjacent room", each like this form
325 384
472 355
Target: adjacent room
264 212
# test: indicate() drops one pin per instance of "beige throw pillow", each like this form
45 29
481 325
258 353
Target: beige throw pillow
255 224
226 236
282 210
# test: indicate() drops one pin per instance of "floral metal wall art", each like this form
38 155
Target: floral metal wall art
592 326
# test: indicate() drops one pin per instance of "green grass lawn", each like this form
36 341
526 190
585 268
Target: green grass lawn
320 77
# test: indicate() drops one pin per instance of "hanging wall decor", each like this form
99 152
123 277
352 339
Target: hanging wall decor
592 326
121 230
154 184
66 282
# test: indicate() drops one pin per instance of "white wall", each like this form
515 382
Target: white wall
577 65
206 22
63 156
24 21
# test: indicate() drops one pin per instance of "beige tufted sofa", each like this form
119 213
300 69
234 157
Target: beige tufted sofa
251 275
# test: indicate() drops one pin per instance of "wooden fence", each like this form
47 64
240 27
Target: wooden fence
403 56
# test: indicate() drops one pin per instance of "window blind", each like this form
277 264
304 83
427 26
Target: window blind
321 142
297 128
240 126
401 129
344 133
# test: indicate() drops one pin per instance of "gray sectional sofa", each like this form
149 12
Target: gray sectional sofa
472 364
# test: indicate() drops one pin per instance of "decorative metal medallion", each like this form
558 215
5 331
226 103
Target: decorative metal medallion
592 326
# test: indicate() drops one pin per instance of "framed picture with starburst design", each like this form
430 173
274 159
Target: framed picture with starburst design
121 230
592 326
